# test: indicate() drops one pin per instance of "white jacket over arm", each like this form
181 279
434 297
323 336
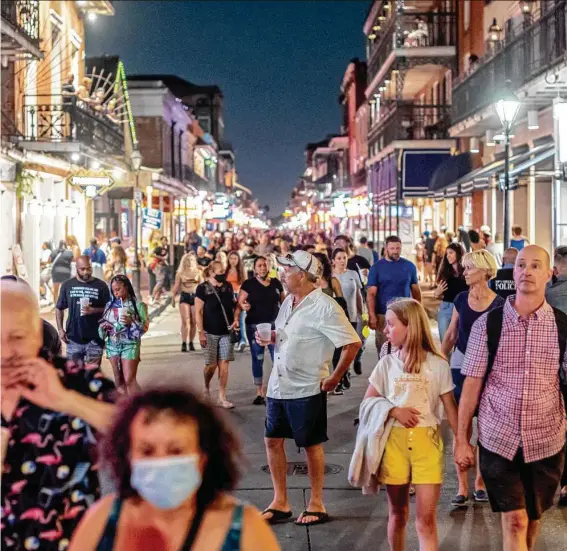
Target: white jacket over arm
373 431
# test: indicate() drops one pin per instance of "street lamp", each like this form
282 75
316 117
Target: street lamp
507 108
136 163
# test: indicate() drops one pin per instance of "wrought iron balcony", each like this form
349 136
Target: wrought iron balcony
59 119
408 121
191 177
527 52
20 27
405 32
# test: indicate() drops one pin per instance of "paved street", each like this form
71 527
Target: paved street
360 522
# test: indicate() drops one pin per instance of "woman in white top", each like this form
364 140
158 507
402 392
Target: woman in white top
416 379
350 284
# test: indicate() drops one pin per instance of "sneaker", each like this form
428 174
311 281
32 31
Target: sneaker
339 390
259 401
191 347
183 347
237 347
357 367
460 501
480 496
346 380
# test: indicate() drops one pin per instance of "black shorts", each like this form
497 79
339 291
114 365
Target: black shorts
187 298
303 419
514 485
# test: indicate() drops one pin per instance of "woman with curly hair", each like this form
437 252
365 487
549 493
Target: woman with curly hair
116 263
174 461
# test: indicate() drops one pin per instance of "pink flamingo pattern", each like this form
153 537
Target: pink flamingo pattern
49 479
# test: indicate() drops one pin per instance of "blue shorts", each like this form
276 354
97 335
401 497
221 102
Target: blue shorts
303 419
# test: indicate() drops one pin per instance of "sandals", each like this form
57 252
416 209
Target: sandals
277 516
225 404
321 518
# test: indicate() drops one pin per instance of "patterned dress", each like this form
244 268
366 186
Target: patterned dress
50 474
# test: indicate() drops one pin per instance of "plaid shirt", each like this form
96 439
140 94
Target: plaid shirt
521 404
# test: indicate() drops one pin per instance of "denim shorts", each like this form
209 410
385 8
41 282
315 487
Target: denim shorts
89 353
303 419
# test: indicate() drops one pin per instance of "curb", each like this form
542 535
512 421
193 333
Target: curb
160 309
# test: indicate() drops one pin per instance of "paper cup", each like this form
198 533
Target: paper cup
264 331
122 313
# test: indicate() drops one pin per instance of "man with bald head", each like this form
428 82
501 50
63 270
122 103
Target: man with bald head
85 297
521 418
50 410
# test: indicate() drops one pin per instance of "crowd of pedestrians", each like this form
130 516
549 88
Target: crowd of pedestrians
495 375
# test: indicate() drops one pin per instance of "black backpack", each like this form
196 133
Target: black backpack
494 330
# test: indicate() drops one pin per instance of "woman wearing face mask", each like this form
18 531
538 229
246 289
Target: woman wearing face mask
124 321
175 462
235 276
479 268
260 297
217 313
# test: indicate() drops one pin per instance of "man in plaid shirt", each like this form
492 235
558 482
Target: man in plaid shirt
521 419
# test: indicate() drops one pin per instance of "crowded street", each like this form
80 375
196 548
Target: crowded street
283 276
359 521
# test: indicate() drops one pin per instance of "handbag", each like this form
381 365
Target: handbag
234 334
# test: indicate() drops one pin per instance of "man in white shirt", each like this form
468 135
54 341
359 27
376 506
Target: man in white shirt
309 326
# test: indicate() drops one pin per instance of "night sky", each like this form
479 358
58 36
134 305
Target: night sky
279 65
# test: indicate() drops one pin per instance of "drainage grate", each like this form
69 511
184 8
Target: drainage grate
299 468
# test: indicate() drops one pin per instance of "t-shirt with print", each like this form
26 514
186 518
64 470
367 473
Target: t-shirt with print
214 322
264 300
414 390
248 261
350 284
83 329
393 279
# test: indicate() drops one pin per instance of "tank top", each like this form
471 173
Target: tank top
231 542
518 244
232 278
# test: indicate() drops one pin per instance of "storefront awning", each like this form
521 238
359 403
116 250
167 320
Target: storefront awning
448 172
417 167
534 157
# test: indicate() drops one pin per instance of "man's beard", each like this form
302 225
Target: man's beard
84 278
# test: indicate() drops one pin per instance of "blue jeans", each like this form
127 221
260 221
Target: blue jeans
242 328
257 353
444 318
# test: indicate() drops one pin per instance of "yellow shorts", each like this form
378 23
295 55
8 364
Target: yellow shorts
412 455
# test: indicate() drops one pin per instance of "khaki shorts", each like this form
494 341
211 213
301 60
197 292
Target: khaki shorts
379 333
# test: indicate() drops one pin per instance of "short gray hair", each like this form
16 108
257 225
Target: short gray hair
560 255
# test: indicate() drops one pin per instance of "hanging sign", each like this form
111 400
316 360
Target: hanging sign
151 219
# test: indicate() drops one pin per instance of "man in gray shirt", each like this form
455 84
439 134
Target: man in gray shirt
556 295
365 251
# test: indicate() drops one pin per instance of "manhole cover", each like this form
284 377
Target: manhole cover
299 468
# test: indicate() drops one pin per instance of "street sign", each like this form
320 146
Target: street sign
137 195
151 219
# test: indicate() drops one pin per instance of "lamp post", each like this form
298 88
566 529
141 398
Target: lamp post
507 108
136 163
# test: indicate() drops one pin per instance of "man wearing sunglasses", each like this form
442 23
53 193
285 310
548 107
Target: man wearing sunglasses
309 326
85 297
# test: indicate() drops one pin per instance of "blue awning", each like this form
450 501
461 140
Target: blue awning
449 171
417 169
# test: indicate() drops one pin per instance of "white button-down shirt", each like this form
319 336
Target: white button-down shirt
306 337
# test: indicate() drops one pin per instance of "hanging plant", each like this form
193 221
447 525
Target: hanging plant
24 181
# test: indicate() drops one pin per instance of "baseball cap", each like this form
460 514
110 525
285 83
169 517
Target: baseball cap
303 260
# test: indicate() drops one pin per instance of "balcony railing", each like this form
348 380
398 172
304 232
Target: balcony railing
23 16
190 176
60 119
419 30
408 121
522 57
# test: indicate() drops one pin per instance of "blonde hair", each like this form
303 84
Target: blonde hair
419 340
185 264
482 260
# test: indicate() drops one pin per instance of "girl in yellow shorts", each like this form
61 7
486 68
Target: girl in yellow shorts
416 379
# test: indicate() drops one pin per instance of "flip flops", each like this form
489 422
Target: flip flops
321 518
277 515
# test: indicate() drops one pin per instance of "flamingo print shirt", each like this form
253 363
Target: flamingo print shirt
50 475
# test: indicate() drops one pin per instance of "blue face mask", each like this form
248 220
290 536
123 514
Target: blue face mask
166 482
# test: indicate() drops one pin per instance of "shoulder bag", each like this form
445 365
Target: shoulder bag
234 334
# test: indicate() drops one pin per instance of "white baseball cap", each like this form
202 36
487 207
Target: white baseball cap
303 260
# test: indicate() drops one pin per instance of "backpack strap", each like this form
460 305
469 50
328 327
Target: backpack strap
561 322
494 321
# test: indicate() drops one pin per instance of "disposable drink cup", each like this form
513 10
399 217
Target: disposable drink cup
122 313
264 331
84 302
